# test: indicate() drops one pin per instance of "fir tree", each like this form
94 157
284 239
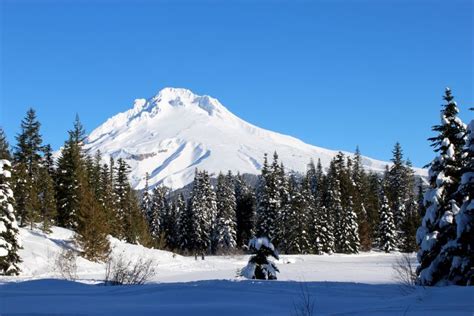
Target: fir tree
350 242
185 227
201 215
387 229
155 216
91 229
462 263
269 198
334 202
9 233
4 146
27 158
245 211
259 267
294 237
47 161
360 197
146 201
438 227
170 224
70 168
47 199
226 235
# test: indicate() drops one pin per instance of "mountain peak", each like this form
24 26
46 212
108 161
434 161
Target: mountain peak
169 98
176 131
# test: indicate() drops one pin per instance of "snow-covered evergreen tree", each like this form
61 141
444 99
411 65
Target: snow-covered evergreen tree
387 229
201 213
146 201
294 221
156 213
122 194
333 204
225 232
350 242
9 233
269 200
438 228
185 227
462 263
259 267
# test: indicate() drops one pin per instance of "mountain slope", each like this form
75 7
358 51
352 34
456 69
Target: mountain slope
176 131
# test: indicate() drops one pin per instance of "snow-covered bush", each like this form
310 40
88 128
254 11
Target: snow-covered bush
259 267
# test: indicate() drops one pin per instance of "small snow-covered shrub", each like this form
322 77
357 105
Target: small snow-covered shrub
119 271
65 264
259 267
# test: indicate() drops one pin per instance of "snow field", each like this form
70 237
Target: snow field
338 284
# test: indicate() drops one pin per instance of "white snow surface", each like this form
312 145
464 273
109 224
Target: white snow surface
176 131
337 284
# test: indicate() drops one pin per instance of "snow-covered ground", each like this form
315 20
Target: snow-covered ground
339 284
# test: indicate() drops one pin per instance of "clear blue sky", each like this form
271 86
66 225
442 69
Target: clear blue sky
335 74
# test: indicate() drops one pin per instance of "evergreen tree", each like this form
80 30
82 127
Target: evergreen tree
91 229
438 227
372 205
27 160
322 226
387 229
136 227
9 233
70 168
409 226
146 201
170 226
4 146
47 199
259 267
226 234
294 237
462 263
123 194
334 201
269 199
157 212
185 227
350 242
360 197
201 215
245 211
47 161
421 199
28 148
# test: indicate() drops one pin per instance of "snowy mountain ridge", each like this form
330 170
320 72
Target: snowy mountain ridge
176 131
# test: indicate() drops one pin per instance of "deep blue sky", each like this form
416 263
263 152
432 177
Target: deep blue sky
335 74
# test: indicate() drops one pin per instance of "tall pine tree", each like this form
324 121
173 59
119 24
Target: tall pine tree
438 227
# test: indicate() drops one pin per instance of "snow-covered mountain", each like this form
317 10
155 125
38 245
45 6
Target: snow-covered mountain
176 131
